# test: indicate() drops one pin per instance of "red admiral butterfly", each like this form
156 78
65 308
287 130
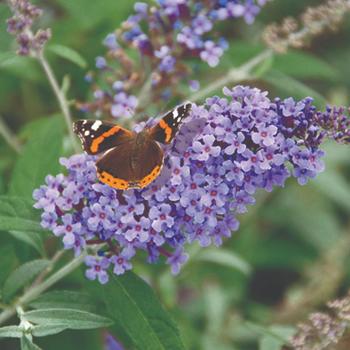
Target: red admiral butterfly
129 159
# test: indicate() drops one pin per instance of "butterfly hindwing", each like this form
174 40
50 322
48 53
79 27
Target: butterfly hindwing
121 169
97 136
114 167
168 126
149 164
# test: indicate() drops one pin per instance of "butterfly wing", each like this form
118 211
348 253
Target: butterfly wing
97 136
114 167
168 126
122 169
149 164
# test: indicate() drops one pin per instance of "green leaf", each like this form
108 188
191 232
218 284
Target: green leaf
33 239
27 344
87 14
302 65
276 338
65 299
22 67
7 58
18 214
38 159
68 53
278 333
8 261
23 275
335 187
289 86
134 306
45 330
225 258
69 318
11 332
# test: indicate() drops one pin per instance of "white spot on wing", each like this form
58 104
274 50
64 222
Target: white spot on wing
96 125
175 114
87 133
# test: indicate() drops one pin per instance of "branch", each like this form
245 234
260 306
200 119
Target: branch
60 97
9 137
234 75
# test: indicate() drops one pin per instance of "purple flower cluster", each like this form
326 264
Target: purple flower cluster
165 35
224 152
21 24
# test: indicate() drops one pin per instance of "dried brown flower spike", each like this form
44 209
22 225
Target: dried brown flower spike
314 21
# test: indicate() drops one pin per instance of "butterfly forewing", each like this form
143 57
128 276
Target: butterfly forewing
129 160
97 136
168 126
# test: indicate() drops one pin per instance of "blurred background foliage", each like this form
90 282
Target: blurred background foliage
291 254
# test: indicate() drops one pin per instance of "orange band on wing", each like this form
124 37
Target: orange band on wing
121 184
150 177
112 181
167 130
95 144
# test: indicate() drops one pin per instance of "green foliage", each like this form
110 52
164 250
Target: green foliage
18 214
68 54
23 275
68 318
39 157
27 344
11 332
134 306
65 299
225 258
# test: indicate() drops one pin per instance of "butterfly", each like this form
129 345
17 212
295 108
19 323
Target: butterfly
129 159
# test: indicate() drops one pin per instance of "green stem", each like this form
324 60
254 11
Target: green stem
234 75
60 97
35 291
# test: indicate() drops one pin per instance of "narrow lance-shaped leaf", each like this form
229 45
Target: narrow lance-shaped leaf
69 54
134 306
22 275
69 318
225 258
27 344
17 214
65 299
11 332
45 330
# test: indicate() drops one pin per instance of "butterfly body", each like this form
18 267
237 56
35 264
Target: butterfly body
129 159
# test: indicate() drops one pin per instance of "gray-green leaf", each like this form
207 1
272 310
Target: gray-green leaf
64 299
134 306
68 318
69 54
45 330
18 214
22 275
27 344
11 332
225 258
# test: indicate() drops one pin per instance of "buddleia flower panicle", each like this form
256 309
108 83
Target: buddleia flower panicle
224 152
313 22
21 24
166 35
